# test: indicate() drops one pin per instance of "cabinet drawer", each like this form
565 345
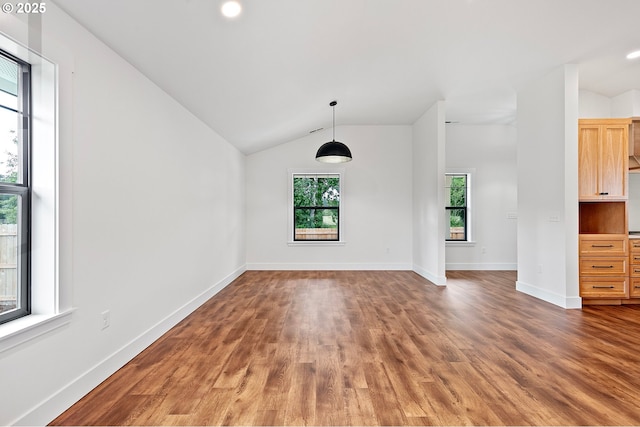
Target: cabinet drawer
634 270
604 266
634 245
634 287
605 287
601 245
634 258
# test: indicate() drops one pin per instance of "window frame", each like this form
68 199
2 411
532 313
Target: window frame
22 189
291 240
468 213
51 185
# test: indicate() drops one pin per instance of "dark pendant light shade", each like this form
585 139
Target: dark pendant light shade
333 151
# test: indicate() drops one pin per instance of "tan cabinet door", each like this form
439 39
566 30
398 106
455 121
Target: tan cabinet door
614 160
588 162
603 159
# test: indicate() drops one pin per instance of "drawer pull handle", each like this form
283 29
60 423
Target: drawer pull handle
604 194
636 287
636 270
603 287
636 258
602 266
601 246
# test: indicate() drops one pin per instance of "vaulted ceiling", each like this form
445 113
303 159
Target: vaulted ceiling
267 77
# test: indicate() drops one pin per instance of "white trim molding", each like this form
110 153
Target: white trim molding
550 297
495 266
272 266
436 280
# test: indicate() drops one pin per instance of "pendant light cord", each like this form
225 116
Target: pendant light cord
334 122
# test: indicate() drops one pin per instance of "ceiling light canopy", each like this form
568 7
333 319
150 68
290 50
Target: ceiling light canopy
333 151
231 9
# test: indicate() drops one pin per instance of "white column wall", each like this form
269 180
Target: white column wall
548 187
428 194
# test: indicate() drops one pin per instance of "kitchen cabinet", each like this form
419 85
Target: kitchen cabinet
604 266
605 262
634 273
603 159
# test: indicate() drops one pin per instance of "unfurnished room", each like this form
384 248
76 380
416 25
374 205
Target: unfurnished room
320 212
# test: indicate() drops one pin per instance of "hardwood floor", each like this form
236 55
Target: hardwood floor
379 348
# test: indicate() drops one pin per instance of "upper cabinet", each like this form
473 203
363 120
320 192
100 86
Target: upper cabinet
603 159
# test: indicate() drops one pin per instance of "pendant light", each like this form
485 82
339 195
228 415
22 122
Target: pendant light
334 151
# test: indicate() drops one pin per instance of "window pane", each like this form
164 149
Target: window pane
316 199
9 153
8 78
9 119
316 224
456 186
316 191
457 224
329 190
14 196
9 242
453 180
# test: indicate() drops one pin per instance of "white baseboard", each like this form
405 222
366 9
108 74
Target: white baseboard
327 266
550 297
76 389
436 280
482 266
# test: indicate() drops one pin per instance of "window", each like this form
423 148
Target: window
316 207
457 199
15 121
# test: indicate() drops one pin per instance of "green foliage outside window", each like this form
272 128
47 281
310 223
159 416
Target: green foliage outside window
9 203
457 198
310 195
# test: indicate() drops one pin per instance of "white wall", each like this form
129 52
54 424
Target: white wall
154 226
626 104
491 152
547 187
428 194
375 202
593 105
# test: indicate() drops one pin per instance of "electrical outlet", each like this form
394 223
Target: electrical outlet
106 319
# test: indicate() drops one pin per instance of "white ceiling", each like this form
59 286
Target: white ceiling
267 77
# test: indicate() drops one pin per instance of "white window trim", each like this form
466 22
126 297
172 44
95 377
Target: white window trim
50 300
311 171
471 218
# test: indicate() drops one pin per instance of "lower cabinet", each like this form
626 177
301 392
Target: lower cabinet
604 287
634 273
604 268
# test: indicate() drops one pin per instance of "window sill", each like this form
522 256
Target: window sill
316 243
466 243
29 327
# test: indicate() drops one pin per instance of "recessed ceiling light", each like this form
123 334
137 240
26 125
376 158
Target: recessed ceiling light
231 8
634 55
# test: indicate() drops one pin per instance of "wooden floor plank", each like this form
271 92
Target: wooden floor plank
379 348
